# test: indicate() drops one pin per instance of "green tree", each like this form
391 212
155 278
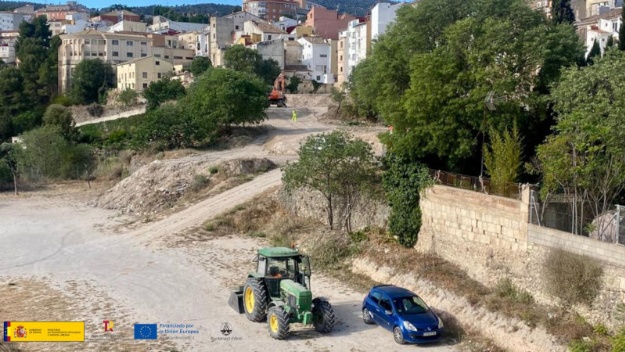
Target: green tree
12 101
9 161
240 58
595 52
200 64
43 153
170 127
60 116
585 157
128 97
503 159
362 92
215 98
332 164
37 29
561 12
91 79
434 93
293 84
403 182
163 90
610 42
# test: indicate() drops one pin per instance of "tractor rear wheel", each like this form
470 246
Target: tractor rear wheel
278 323
323 316
255 300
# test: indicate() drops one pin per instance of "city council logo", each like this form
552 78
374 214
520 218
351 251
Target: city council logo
226 329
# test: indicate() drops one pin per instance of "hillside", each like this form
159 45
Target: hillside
353 7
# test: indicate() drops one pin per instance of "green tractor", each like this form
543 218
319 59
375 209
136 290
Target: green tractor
279 291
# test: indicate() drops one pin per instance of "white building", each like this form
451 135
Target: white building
284 23
358 43
382 15
316 54
161 24
599 28
7 46
10 21
74 27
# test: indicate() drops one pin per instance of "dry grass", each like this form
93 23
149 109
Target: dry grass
572 278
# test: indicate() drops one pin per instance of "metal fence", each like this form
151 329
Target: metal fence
476 183
559 214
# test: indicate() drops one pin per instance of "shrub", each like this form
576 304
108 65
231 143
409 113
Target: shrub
505 288
572 278
199 182
95 110
213 170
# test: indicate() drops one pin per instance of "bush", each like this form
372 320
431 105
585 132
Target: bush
95 110
505 288
572 278
199 182
618 341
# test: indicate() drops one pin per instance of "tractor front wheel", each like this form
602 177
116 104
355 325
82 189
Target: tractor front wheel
323 316
255 300
278 323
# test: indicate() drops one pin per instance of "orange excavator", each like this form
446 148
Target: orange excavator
277 97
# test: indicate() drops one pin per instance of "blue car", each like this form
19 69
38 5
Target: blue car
402 312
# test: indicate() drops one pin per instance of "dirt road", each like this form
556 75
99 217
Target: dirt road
133 276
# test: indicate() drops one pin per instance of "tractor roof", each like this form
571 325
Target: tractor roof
278 252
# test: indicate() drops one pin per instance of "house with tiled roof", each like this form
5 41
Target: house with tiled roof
599 28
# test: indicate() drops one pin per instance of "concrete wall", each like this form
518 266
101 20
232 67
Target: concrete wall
489 237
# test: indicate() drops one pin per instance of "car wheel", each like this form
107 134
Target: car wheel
398 335
367 317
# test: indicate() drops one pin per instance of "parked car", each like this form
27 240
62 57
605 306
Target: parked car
402 312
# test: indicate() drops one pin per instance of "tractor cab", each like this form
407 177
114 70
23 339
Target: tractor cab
277 264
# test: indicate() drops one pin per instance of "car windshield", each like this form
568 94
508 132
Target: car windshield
410 305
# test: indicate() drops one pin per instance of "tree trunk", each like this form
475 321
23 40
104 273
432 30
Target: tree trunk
15 183
330 213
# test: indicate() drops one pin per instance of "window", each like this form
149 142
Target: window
157 63
167 56
158 75
145 85
376 296
385 304
341 58
177 57
144 75
115 53
144 43
318 78
323 55
128 43
269 37
115 42
157 55
87 41
128 54
144 54
236 27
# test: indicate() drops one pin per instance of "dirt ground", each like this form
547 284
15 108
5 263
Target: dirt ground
62 259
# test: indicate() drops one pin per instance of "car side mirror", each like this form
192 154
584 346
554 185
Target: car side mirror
388 312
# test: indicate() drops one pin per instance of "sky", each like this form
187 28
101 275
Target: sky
105 3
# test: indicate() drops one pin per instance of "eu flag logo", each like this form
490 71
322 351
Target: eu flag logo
145 331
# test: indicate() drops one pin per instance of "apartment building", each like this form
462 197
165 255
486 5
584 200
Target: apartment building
316 55
119 16
224 32
7 46
137 74
163 25
271 10
382 15
10 21
113 48
58 12
327 23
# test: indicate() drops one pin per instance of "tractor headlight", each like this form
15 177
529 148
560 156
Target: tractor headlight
409 326
440 323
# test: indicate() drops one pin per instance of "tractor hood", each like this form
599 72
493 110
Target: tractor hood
293 287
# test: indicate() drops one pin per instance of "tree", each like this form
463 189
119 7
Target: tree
503 159
561 12
216 98
60 116
403 181
12 101
332 164
200 64
432 85
585 157
128 97
43 153
610 42
595 51
37 29
9 160
91 79
361 89
293 84
170 127
163 90
240 58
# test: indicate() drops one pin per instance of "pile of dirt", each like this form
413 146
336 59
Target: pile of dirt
161 184
309 100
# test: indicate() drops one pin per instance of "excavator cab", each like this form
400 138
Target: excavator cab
277 97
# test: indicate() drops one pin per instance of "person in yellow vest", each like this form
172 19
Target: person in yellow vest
294 116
